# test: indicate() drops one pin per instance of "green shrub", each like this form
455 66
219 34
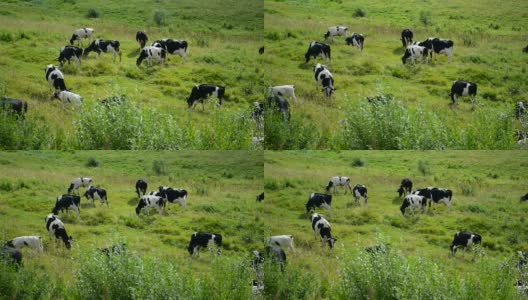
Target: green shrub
360 12
423 168
425 18
159 167
93 13
92 163
160 18
358 162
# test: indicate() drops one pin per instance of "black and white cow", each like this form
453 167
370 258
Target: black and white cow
438 46
173 195
33 242
204 240
106 46
66 202
281 241
16 106
524 198
11 256
339 181
96 193
279 104
276 255
260 197
335 31
201 92
321 228
83 33
56 228
261 50
315 49
406 37
150 201
151 53
324 78
357 40
67 53
317 200
67 97
283 90
141 187
415 51
173 47
405 187
414 201
463 88
521 108
360 191
436 195
464 240
78 182
55 78
141 38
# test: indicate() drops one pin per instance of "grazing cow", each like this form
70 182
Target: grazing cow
55 227
315 49
339 181
324 78
152 53
78 182
141 187
55 78
68 97
524 198
463 88
114 250
66 202
438 46
276 255
335 31
406 37
148 201
173 47
261 50
34 242
204 240
260 197
141 38
83 33
283 90
11 255
436 195
415 51
106 46
281 241
16 106
96 193
317 200
378 249
173 195
405 187
414 201
321 228
280 104
520 108
68 53
360 191
357 40
201 92
464 240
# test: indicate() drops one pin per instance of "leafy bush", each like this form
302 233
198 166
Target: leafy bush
358 162
92 163
93 13
160 18
360 12
158 167
423 168
425 18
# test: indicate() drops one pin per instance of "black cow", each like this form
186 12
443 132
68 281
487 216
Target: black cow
279 104
16 106
55 78
463 88
317 200
315 49
173 47
201 92
260 197
356 40
406 37
11 255
405 187
276 255
173 195
141 187
104 46
66 202
141 38
438 46
464 240
436 195
261 50
96 193
360 191
68 53
203 240
524 198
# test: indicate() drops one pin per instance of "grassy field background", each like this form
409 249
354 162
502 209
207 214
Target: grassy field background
488 40
223 37
486 185
222 186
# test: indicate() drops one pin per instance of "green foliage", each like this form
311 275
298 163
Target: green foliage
93 13
92 162
358 162
423 168
159 167
160 18
360 12
425 18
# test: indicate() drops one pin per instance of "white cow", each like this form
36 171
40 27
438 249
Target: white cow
339 181
283 90
82 33
150 201
281 241
68 97
335 31
414 201
415 51
34 242
150 53
78 182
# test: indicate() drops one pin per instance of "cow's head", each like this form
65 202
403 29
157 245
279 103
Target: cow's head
327 34
404 206
328 90
400 191
68 242
142 56
331 241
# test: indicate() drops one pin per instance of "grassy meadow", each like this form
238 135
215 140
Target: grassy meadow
488 41
223 37
222 186
486 185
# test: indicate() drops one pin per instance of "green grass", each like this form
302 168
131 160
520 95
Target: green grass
487 51
223 41
486 188
222 186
